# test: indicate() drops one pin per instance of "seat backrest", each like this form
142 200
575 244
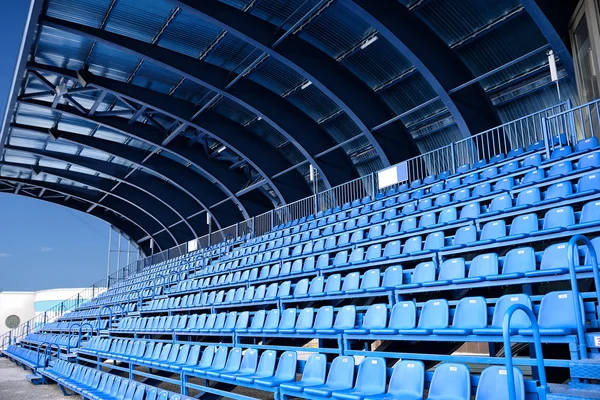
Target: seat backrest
528 196
370 279
408 380
555 256
559 190
249 361
484 265
434 314
471 313
314 370
560 217
258 320
453 268
324 318
207 357
341 373
557 311
589 182
333 283
272 320
424 272
305 318
392 276
266 365
346 317
404 315
465 234
524 224
500 203
434 241
412 245
450 381
288 319
519 319
371 376
234 359
519 260
351 281
493 230
286 368
590 211
493 384
375 317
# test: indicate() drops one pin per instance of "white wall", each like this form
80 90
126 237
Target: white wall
16 303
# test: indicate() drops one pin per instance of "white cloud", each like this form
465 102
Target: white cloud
5 255
46 249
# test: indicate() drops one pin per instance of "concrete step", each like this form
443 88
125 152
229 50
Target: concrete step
566 392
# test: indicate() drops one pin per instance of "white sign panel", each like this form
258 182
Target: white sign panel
392 175
192 245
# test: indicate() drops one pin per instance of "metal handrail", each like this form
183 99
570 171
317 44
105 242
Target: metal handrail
572 255
48 352
510 375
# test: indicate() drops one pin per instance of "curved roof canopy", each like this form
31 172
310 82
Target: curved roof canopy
152 114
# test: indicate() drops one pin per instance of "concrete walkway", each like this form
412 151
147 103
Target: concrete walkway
14 386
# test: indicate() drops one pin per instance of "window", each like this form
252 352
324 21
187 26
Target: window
585 62
13 321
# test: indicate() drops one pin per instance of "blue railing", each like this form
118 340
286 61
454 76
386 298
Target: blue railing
510 373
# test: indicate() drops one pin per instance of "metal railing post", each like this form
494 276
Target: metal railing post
545 132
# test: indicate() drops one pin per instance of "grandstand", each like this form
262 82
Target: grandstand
437 239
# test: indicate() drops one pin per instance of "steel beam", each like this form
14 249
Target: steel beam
267 161
138 207
210 194
443 70
157 189
165 168
345 89
286 119
112 216
545 26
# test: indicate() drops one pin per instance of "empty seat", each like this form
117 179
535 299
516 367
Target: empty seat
340 377
557 316
434 315
470 313
403 316
450 382
370 380
519 320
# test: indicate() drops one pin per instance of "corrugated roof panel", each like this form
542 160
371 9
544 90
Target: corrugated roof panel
376 64
46 162
85 12
112 63
408 93
62 147
439 139
313 102
230 109
140 145
278 11
350 30
14 172
454 20
62 49
150 16
108 134
19 157
230 53
151 76
36 116
267 132
275 76
76 125
189 36
342 128
191 91
240 4
95 154
23 142
29 135
513 39
83 170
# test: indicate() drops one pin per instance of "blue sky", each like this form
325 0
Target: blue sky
42 245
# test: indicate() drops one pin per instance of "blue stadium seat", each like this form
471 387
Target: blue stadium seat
499 204
505 184
589 184
520 320
522 226
247 366
489 172
403 316
370 380
323 320
493 384
340 377
265 368
434 315
392 277
313 374
491 232
370 279
406 382
588 162
463 236
560 152
517 151
412 245
471 313
450 382
527 198
534 160
374 318
345 319
586 144
554 261
589 216
557 220
556 316
532 177
424 272
450 270
483 265
560 169
517 263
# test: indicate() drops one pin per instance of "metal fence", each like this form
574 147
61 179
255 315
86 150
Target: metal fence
573 125
345 193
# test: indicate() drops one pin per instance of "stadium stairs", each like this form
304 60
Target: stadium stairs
371 300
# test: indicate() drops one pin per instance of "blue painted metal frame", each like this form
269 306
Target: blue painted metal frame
472 111
538 350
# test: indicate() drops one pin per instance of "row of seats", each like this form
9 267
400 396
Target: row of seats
470 316
59 340
65 325
28 357
94 384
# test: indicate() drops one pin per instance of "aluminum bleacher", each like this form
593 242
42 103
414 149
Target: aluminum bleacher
371 299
